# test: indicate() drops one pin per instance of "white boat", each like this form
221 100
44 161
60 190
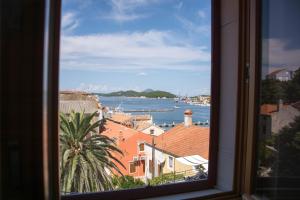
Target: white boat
176 107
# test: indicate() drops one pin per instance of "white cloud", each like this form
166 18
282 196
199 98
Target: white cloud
102 88
142 74
278 54
192 27
92 87
127 10
201 14
69 22
137 50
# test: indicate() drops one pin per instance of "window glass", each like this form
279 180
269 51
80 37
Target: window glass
132 71
171 162
141 146
278 141
132 167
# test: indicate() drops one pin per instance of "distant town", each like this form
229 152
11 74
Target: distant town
151 153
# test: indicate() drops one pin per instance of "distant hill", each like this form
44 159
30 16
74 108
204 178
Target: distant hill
148 90
131 93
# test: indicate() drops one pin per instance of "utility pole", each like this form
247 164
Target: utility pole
153 153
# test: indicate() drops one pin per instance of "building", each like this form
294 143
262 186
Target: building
79 101
131 143
281 75
182 149
156 130
275 117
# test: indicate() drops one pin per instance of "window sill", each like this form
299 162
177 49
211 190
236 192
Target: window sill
188 195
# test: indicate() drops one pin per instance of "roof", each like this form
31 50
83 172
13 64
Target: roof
75 95
296 105
117 131
188 112
121 118
141 125
66 106
267 109
141 117
185 141
276 72
193 160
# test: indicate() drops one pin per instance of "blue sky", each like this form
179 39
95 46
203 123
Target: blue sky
111 45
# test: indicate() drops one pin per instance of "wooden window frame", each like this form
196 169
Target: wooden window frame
134 164
43 173
149 191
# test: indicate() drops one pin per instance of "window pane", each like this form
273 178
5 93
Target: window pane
135 80
278 164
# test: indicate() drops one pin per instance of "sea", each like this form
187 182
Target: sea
174 109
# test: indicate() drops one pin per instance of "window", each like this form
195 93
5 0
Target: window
141 147
132 167
278 155
171 162
54 99
148 80
150 166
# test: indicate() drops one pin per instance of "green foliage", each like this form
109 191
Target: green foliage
274 90
166 178
287 142
86 159
292 91
149 94
127 182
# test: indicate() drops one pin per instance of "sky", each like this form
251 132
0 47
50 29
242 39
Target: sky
112 45
280 35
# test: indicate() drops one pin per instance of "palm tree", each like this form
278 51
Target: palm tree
87 163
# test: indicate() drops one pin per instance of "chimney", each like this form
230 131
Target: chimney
280 105
188 118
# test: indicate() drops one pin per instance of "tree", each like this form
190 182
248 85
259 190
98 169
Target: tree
287 143
127 182
292 90
86 157
272 91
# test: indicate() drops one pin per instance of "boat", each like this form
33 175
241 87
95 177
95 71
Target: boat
176 107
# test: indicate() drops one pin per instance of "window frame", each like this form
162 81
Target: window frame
172 158
175 188
134 164
38 143
213 147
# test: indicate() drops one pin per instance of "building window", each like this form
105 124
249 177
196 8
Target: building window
171 162
141 147
132 167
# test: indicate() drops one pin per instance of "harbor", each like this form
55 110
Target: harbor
166 113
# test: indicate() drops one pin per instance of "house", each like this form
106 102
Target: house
156 130
79 101
131 143
275 117
131 121
281 75
181 149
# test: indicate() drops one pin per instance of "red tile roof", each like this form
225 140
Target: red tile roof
127 140
185 141
267 109
117 131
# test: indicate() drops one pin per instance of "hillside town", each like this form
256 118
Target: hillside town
149 151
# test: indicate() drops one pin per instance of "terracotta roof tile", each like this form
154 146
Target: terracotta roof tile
121 118
267 109
185 141
118 131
